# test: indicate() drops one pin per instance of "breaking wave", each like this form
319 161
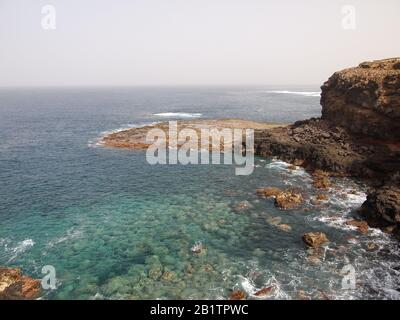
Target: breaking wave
178 115
301 93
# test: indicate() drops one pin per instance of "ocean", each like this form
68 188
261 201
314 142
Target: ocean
115 227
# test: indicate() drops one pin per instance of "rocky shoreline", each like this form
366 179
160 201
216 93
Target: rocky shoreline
358 136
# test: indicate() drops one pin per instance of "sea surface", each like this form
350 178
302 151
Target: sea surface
115 227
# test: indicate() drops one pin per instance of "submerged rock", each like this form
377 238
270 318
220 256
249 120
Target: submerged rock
155 273
274 221
284 227
244 205
168 276
16 286
197 248
269 192
315 239
288 199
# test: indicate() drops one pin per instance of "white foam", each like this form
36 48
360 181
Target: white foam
178 115
72 233
13 252
98 142
301 93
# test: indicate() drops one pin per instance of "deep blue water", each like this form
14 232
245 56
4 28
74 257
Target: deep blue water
112 225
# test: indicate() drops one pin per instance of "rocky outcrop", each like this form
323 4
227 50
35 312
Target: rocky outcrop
288 199
383 206
315 239
358 135
365 99
16 286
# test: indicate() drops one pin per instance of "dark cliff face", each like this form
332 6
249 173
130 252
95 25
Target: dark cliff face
365 99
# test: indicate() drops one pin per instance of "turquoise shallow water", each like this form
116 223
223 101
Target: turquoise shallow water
115 227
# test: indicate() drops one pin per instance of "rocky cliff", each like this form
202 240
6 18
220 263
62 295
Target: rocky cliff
365 99
358 135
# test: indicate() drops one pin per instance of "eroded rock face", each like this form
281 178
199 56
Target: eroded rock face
15 286
358 135
365 99
383 204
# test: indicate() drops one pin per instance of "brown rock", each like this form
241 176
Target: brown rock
390 229
169 276
365 100
15 286
315 239
372 246
238 295
269 192
288 199
322 197
383 204
265 291
362 226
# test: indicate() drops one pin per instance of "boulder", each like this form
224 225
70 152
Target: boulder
288 199
383 204
362 226
315 239
238 295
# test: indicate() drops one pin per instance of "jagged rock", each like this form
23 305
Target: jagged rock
362 226
365 100
16 286
238 295
288 199
383 204
265 291
315 239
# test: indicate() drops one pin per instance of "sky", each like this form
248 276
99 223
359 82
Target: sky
191 42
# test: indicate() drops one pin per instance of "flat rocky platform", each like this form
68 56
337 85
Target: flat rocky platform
135 138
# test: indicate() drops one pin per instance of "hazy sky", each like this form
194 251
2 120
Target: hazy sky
190 42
